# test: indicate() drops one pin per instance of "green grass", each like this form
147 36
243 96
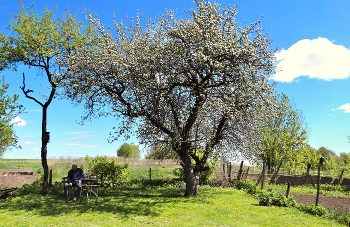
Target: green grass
150 207
33 164
158 171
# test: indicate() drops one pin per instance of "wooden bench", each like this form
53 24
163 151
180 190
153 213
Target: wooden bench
89 184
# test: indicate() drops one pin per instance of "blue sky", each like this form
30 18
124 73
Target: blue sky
313 38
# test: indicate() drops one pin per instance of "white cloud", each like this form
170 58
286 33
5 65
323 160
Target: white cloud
318 58
72 144
333 109
345 107
18 121
29 142
81 132
90 146
80 135
79 145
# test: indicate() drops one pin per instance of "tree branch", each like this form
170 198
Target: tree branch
26 92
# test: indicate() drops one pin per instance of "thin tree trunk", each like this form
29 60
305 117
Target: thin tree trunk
276 173
44 141
44 136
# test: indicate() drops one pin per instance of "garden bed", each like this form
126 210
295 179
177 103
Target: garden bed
330 203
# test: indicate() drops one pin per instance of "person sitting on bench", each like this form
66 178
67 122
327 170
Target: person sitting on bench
75 176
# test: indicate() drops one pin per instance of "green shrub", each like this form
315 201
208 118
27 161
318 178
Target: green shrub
3 187
340 215
275 199
33 188
313 209
248 186
107 172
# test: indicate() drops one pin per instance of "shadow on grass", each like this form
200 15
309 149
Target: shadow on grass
119 201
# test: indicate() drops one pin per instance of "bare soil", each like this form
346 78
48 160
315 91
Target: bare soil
12 178
329 202
17 180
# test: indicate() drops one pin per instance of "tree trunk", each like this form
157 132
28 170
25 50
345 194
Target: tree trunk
192 179
44 136
276 172
192 182
44 141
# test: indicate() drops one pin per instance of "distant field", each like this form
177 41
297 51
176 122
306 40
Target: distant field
139 168
60 166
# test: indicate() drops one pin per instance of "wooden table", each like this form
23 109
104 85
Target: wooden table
91 187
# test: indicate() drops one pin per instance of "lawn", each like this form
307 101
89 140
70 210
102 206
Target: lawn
144 205
156 206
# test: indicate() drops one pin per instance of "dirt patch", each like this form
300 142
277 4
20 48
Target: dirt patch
16 180
328 202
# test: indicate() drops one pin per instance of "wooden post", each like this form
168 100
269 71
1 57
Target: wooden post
276 173
308 169
50 178
240 171
242 176
263 177
288 188
308 174
338 180
229 171
319 179
259 179
246 175
223 169
150 175
341 175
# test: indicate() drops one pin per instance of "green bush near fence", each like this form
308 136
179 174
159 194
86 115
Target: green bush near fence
109 173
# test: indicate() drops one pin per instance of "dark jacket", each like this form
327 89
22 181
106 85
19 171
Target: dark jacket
74 177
